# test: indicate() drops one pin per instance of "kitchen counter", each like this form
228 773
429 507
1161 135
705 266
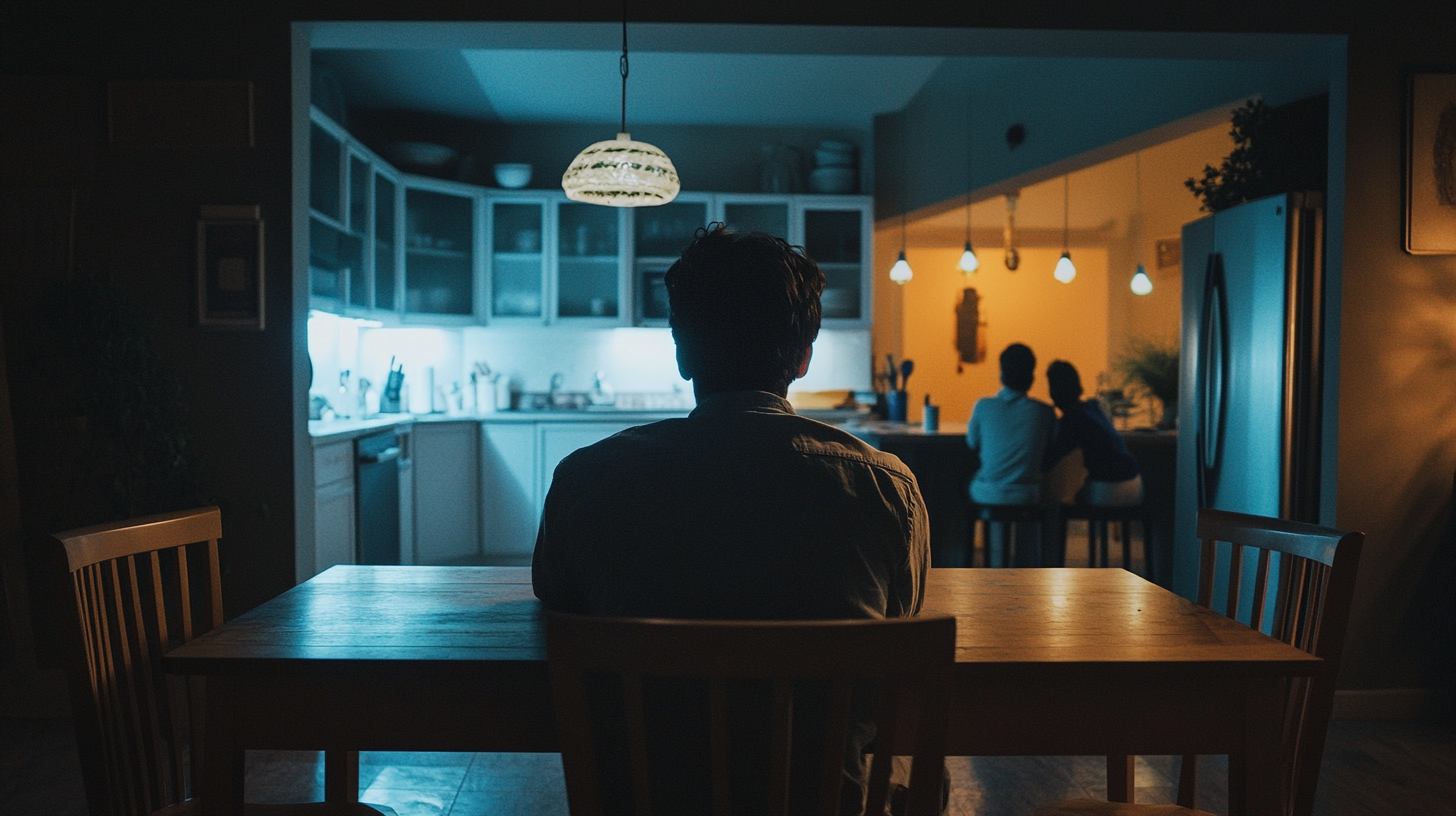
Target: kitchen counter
337 430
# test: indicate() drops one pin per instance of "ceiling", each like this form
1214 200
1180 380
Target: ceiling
783 76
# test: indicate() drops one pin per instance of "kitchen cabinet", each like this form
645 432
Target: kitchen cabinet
589 286
658 237
333 504
440 272
835 231
446 491
405 438
516 227
353 200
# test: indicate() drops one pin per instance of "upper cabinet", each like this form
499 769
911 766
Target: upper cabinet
410 249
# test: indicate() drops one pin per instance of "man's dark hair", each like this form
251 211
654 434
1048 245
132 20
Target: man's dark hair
1062 380
744 310
1018 367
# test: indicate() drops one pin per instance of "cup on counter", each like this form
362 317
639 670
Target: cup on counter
930 418
897 402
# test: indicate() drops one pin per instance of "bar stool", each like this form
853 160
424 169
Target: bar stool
1099 518
1007 516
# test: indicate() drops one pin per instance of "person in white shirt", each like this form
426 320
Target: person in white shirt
1009 433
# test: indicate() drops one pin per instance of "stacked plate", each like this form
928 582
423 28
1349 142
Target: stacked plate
834 168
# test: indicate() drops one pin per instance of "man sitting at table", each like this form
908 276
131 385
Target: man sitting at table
1009 432
742 510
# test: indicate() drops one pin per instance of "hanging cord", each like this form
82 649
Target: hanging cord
1066 206
1137 159
622 67
968 170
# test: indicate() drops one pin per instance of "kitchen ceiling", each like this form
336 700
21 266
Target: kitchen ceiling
784 76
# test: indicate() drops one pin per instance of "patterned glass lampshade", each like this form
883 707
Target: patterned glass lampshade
621 173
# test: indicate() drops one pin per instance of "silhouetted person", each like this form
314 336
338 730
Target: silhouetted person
1009 433
1112 471
741 510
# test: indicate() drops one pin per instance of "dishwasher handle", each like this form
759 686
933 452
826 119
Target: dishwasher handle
386 455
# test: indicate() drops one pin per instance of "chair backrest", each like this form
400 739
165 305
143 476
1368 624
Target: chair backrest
136 595
909 661
1310 572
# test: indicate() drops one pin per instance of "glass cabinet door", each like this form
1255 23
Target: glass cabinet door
385 278
659 235
517 259
758 216
325 188
588 260
439 261
835 239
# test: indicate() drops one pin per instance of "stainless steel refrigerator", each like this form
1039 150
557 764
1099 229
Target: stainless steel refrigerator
1249 391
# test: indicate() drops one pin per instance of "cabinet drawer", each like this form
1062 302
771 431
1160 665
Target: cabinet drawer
333 462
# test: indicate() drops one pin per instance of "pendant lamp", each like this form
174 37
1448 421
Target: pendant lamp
1141 283
1065 270
621 172
969 262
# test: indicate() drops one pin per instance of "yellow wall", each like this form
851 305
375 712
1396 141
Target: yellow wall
1058 321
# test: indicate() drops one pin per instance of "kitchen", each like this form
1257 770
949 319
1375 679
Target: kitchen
488 352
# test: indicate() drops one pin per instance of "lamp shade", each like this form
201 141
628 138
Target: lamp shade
969 262
900 272
621 173
1141 283
1065 271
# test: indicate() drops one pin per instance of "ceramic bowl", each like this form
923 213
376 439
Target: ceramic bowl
513 175
832 180
422 154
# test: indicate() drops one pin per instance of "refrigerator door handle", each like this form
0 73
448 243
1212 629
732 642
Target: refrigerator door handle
1212 378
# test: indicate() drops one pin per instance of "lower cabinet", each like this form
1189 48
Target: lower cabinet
517 461
333 505
446 477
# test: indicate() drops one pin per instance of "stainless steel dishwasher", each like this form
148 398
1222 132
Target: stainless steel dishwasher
376 503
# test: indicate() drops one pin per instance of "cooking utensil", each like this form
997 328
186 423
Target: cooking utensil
890 371
906 366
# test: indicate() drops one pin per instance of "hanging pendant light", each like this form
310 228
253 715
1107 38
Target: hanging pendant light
969 262
621 172
1141 283
1065 270
901 272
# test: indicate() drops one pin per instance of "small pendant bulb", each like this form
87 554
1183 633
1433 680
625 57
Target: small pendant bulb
1065 270
1141 283
900 272
969 262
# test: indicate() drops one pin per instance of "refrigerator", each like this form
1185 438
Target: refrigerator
1249 391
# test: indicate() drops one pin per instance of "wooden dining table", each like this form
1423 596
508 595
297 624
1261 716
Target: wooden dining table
1048 662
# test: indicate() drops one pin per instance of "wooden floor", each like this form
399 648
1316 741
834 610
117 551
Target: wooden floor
1391 769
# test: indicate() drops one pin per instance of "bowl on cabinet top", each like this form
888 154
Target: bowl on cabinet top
421 154
512 176
832 180
833 158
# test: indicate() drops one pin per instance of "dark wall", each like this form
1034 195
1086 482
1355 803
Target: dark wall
135 211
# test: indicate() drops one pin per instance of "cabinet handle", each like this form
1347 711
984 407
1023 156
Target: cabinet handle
385 455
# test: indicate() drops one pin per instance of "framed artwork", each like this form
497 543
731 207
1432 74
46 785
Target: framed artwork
1430 164
230 268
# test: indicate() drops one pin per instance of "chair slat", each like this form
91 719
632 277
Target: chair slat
836 736
1261 584
885 737
1235 580
637 743
214 572
718 729
1208 557
184 594
781 736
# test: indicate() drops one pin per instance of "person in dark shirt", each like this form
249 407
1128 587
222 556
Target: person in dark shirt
742 510
1112 471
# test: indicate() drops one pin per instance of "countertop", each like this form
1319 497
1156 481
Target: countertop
338 430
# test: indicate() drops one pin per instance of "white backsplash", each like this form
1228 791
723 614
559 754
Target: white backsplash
632 359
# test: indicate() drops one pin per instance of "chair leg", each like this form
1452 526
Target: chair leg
1126 545
341 776
1188 781
1121 770
1091 543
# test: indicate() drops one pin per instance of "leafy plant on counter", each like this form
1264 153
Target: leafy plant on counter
1152 368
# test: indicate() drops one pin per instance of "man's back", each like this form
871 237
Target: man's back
743 510
1009 432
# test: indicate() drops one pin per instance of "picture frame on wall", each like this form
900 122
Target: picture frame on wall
1430 158
230 267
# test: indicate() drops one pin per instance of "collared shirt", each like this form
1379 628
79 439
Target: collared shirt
1010 432
742 510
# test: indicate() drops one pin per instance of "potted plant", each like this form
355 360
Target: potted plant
1151 367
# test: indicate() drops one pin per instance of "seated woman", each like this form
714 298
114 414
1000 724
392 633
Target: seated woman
1112 471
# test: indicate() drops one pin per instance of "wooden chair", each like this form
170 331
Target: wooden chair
911 657
140 588
1310 573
